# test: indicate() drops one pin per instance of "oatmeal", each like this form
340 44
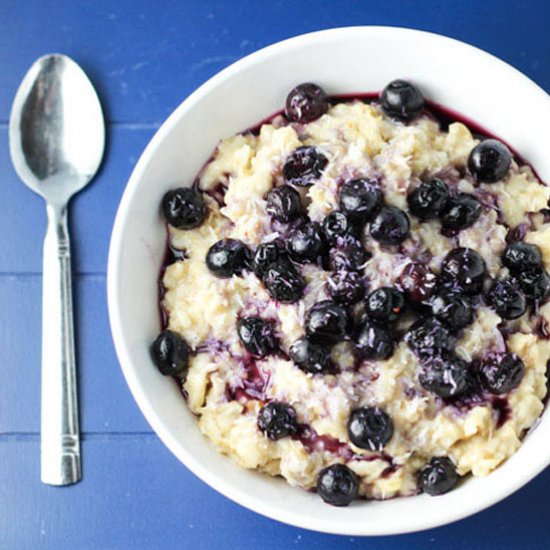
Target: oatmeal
359 305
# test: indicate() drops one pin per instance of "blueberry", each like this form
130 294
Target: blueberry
507 299
374 341
266 254
277 420
283 283
417 282
184 208
445 375
228 257
349 256
370 428
171 354
304 166
390 225
385 304
360 199
428 199
306 243
489 161
326 321
460 211
257 336
501 373
438 476
465 269
283 204
453 308
338 485
535 283
336 227
521 256
306 102
402 100
346 287
428 337
311 356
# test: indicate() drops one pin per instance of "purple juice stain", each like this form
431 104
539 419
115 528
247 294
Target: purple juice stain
253 387
476 397
390 470
502 410
517 234
312 441
541 328
488 200
218 193
547 396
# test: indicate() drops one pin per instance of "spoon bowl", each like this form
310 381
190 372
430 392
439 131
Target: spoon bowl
57 138
57 131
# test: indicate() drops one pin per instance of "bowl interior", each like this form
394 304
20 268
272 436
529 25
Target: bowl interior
360 59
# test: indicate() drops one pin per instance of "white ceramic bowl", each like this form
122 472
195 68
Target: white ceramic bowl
359 59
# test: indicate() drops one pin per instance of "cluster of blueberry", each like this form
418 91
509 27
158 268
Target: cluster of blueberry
488 162
431 338
445 302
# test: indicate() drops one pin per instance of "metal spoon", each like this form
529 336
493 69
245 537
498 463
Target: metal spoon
57 137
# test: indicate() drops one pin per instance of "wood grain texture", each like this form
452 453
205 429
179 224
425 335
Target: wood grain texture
145 57
106 404
136 495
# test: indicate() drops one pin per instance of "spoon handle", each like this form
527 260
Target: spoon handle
60 440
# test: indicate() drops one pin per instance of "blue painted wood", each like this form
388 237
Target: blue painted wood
136 495
106 402
144 58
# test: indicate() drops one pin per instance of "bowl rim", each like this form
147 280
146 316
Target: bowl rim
113 272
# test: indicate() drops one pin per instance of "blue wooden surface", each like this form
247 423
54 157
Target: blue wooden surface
144 58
